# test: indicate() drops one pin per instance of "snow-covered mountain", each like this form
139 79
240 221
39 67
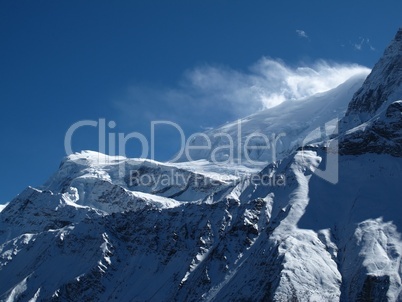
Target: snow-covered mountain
111 228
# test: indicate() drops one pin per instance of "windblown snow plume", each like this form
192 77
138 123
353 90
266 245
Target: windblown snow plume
269 82
218 91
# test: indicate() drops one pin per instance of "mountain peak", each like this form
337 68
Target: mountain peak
373 122
382 87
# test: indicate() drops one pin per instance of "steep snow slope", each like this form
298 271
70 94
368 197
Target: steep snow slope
287 126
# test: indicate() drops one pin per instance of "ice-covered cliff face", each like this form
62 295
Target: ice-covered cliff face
382 87
373 121
111 228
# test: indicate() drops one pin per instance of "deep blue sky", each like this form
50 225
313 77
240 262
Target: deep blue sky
64 61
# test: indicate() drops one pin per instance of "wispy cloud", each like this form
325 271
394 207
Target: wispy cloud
301 33
211 95
363 43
